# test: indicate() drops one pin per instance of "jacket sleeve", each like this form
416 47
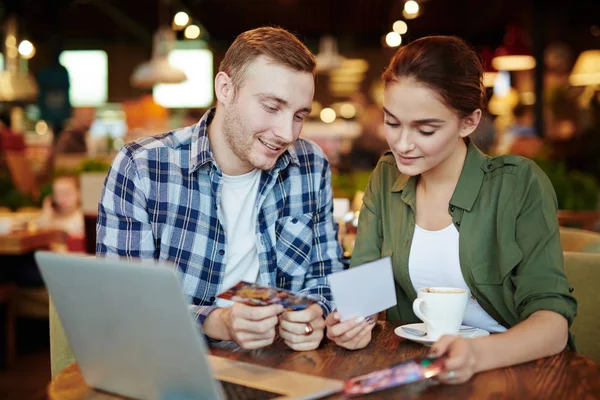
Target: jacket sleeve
369 238
539 279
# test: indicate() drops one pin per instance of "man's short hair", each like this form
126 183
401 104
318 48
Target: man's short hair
275 43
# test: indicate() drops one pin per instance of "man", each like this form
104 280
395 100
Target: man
236 197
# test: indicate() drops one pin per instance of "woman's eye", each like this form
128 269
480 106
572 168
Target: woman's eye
426 133
393 125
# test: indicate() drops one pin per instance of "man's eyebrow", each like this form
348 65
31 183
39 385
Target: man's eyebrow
283 102
420 121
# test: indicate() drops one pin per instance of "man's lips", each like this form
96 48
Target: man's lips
272 146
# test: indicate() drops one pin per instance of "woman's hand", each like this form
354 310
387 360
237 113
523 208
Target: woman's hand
461 362
352 334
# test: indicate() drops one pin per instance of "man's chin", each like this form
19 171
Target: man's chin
264 164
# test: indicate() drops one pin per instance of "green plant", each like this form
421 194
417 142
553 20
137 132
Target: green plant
575 190
346 185
93 165
11 197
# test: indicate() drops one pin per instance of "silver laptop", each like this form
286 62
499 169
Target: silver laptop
132 334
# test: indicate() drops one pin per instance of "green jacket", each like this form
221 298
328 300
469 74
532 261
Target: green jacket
505 209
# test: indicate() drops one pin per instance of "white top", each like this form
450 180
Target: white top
434 262
237 214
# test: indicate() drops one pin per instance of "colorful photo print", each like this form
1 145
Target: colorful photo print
255 295
400 374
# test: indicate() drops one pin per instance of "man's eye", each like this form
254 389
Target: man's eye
269 108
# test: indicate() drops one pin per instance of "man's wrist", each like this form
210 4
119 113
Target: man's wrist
215 326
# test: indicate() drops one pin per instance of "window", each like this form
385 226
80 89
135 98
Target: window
197 90
88 75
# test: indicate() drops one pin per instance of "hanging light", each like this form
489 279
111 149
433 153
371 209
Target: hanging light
180 20
393 39
26 49
158 69
586 70
400 27
489 72
513 55
328 57
192 32
14 85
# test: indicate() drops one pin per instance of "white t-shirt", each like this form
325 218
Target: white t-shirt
237 213
434 261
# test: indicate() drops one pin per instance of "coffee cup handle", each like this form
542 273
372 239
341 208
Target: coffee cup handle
417 309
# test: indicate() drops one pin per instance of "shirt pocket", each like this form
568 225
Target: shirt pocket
493 270
293 243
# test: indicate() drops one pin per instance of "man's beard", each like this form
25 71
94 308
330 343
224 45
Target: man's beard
236 135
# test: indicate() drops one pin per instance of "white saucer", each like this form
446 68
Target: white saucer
427 341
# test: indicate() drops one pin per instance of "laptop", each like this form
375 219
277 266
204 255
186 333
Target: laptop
132 334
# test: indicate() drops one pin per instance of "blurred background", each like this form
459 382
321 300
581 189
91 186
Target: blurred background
79 78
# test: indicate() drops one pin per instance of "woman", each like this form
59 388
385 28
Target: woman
449 215
62 211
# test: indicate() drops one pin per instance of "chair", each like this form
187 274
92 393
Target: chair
61 354
583 273
580 240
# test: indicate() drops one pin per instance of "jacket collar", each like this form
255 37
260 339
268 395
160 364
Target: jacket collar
467 188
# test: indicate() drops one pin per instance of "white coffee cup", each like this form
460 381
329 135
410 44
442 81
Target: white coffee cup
441 309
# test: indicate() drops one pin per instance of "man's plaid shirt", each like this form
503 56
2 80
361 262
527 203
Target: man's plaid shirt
161 198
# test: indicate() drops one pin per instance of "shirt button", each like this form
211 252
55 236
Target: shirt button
451 208
221 252
457 223
294 220
215 206
212 298
489 166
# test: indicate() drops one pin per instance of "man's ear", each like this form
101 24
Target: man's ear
470 123
224 89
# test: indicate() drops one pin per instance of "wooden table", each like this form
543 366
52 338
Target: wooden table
24 241
564 376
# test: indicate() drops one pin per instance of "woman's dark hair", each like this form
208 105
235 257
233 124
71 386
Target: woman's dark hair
445 64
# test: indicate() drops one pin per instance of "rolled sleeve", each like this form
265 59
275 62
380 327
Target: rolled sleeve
539 279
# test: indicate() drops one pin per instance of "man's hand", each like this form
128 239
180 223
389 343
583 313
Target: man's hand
293 328
250 327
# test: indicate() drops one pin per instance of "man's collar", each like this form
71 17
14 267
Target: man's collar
201 153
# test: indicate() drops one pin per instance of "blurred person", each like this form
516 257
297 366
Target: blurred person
370 145
74 137
490 221
62 210
53 99
237 196
520 137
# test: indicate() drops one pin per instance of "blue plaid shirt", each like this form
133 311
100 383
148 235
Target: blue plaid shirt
161 198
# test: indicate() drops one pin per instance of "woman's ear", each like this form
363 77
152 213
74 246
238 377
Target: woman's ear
224 88
470 123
